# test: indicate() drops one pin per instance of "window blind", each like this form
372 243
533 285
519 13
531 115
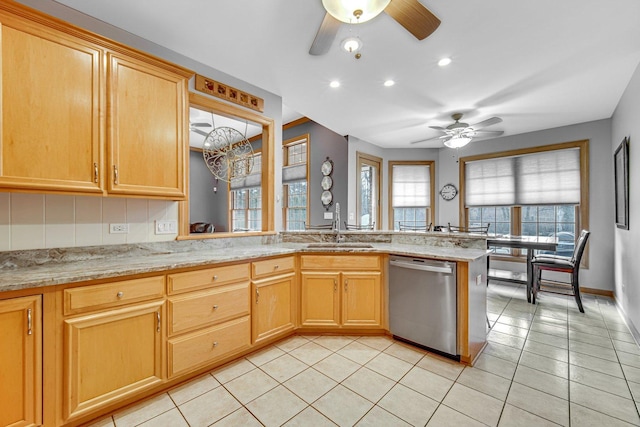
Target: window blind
550 177
411 186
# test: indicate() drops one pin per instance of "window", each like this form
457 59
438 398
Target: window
411 193
368 190
246 195
295 186
533 192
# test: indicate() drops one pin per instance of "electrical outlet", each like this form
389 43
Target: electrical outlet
478 279
328 215
118 228
166 227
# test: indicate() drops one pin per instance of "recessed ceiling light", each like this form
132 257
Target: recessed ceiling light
334 83
444 62
388 83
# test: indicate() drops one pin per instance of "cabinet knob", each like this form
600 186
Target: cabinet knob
215 307
120 294
214 278
275 267
215 344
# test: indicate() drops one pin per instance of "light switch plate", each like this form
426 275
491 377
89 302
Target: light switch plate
167 227
478 279
328 215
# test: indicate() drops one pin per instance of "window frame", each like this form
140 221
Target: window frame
432 186
582 214
300 139
376 162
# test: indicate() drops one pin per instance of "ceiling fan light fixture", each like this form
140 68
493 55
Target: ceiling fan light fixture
355 11
457 141
351 44
444 62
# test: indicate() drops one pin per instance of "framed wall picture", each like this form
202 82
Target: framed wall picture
621 178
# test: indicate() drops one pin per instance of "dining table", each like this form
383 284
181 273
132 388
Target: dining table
531 244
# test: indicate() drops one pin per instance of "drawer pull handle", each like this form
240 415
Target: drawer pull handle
257 296
158 321
335 285
115 174
29 322
215 344
346 285
95 172
215 307
120 294
214 278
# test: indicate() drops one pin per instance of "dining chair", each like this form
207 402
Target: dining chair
562 264
330 226
412 226
359 227
478 229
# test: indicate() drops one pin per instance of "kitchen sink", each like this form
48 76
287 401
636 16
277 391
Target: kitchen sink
339 245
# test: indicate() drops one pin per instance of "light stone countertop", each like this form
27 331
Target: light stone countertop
74 269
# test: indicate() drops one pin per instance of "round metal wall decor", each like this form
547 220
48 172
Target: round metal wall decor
227 154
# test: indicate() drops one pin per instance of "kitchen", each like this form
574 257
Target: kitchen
28 224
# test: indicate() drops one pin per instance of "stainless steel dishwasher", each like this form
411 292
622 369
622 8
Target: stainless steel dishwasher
422 303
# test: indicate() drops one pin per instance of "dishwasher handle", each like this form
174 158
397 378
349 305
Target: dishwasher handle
442 268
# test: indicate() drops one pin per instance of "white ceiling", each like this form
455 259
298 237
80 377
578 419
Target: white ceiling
537 64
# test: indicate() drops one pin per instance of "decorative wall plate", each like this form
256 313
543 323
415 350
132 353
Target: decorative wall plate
327 167
327 182
326 198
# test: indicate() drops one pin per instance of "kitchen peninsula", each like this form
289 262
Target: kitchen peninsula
178 309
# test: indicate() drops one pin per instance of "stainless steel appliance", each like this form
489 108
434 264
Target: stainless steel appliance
422 303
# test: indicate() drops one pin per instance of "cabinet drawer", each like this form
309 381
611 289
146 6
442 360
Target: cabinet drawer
209 345
341 262
197 309
192 280
270 267
114 294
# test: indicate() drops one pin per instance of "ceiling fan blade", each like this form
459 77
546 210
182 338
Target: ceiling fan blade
483 133
443 137
200 125
414 17
485 123
439 128
199 132
325 36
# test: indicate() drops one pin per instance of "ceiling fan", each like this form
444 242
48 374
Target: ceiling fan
411 14
459 134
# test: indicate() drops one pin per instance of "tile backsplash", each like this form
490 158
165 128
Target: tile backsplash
38 221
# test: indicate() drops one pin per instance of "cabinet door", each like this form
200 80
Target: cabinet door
51 94
146 131
111 355
320 299
21 367
361 302
272 307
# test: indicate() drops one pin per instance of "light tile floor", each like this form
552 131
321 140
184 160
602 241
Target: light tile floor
544 365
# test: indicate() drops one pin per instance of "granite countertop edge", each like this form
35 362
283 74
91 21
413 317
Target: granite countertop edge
51 274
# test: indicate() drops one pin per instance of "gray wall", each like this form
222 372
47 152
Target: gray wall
324 143
205 205
626 122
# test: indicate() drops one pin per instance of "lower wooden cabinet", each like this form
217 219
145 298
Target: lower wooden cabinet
335 294
21 356
272 307
111 355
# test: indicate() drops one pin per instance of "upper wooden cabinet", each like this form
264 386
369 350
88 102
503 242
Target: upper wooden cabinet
51 95
146 131
82 114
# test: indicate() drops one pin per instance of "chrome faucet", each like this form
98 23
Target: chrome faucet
336 227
